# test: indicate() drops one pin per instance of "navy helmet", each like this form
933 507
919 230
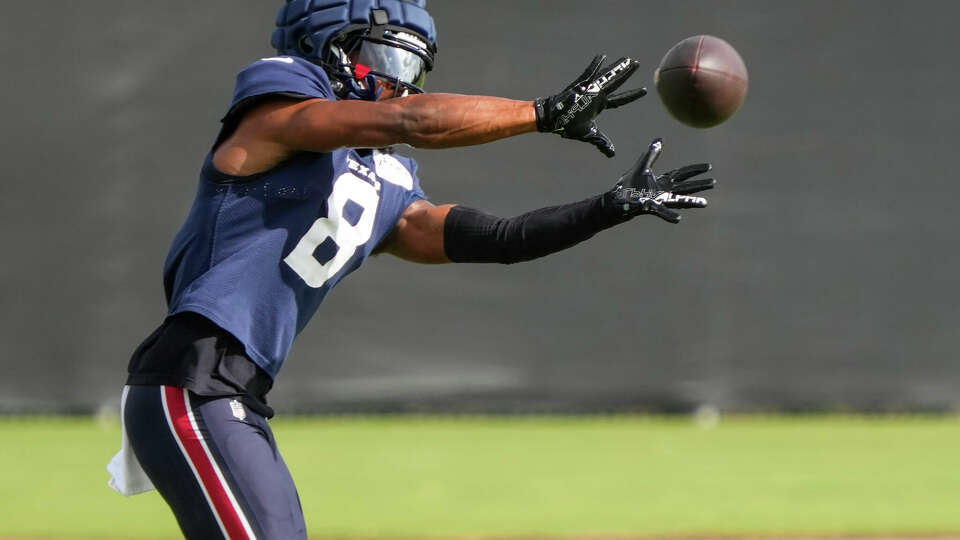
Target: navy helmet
354 40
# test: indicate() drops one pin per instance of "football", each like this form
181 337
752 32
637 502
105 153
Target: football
702 81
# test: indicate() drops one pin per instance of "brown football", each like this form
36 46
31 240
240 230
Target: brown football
702 81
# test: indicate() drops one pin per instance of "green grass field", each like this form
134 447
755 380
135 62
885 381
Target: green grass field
532 477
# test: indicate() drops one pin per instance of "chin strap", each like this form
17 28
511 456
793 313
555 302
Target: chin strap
368 91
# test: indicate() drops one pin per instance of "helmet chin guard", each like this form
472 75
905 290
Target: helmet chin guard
356 40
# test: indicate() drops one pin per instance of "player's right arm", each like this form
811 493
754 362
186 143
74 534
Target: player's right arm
452 120
279 126
422 121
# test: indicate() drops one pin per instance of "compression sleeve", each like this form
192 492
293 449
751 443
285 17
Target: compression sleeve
470 235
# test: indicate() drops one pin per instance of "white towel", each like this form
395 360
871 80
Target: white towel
127 476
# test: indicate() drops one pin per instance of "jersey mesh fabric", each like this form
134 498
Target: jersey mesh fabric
257 255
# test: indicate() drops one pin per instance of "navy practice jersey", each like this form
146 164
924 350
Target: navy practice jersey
257 254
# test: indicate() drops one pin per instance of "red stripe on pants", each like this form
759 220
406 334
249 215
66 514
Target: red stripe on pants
206 470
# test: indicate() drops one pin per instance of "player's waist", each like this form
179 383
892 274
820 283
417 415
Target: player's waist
190 351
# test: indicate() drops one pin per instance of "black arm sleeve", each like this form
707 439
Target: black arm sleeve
470 235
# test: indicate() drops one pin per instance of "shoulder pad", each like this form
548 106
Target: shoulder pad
282 75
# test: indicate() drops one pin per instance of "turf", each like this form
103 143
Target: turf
533 477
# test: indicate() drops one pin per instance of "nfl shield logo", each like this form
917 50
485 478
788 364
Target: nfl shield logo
238 412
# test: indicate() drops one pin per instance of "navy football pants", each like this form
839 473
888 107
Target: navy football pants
216 464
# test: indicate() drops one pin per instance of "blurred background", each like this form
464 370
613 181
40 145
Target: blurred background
821 277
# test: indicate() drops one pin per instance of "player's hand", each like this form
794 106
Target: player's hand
572 113
641 191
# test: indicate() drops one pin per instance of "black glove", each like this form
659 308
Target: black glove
573 111
641 191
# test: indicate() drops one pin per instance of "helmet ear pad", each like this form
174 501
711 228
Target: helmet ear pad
305 46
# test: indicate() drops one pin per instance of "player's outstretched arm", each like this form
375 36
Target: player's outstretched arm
269 133
422 121
449 233
277 129
451 120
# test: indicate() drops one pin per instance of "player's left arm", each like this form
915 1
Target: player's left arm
451 233
418 234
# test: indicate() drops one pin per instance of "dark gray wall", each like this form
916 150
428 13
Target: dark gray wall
823 275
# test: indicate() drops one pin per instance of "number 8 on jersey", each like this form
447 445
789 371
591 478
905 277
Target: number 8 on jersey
348 237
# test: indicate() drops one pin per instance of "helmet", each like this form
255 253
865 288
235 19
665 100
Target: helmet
357 40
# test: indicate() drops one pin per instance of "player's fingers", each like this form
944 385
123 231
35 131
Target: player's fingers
690 170
650 156
592 69
601 141
683 201
661 211
687 187
618 72
624 98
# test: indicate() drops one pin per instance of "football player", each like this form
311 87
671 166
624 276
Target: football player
300 187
